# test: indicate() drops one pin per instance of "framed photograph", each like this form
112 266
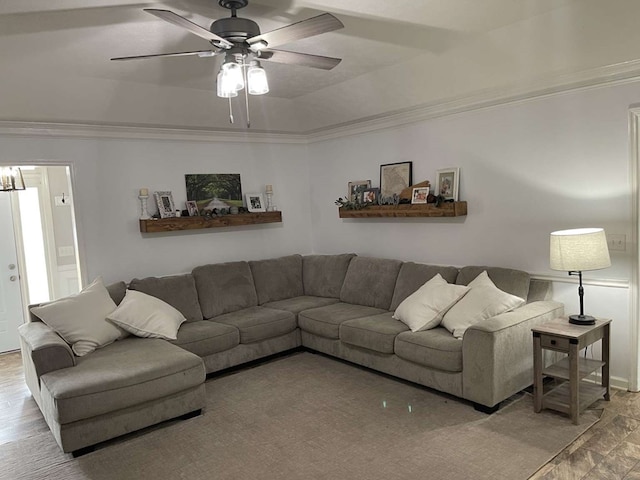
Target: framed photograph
395 177
447 183
166 207
214 190
420 195
356 188
255 202
192 208
370 195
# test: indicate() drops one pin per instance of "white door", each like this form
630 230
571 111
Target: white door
11 312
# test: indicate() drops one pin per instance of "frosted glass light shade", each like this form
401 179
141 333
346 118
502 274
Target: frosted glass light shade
257 80
579 250
224 87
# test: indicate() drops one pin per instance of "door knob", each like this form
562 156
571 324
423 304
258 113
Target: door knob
12 266
13 278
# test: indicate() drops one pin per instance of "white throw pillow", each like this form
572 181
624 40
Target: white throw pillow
484 300
147 316
81 319
424 308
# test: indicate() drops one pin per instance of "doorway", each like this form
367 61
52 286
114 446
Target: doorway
39 248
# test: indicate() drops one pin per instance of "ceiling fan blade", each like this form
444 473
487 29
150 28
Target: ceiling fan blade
296 58
200 53
169 16
296 31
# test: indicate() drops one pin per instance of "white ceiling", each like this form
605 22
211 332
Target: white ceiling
397 55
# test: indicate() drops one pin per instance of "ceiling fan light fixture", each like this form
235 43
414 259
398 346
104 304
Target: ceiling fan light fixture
257 79
224 86
232 74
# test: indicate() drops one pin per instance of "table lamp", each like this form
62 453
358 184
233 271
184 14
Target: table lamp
575 251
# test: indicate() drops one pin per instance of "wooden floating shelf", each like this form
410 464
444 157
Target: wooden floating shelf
448 209
196 223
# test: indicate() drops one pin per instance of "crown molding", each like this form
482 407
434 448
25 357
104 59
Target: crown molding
626 72
73 130
599 77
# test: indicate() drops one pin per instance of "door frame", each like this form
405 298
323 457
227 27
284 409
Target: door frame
634 293
46 213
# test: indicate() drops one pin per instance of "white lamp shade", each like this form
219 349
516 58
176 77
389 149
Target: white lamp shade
225 88
579 250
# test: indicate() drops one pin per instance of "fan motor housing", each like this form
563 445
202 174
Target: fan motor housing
235 29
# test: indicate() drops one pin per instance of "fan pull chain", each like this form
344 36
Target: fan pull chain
230 112
246 91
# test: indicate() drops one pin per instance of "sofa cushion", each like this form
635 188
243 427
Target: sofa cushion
206 337
117 291
323 275
515 282
179 291
425 307
370 282
126 373
298 304
277 278
377 332
483 300
147 316
81 319
325 321
435 348
414 275
259 323
224 288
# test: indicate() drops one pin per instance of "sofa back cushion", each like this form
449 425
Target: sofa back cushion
117 291
323 275
277 278
412 276
515 282
224 288
370 282
179 291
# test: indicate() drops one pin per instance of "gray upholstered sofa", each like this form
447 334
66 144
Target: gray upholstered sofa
340 305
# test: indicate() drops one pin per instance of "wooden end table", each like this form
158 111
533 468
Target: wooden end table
575 395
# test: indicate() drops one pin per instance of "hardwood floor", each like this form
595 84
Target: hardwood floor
609 450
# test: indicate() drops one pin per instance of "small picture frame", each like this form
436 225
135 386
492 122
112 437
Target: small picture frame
255 202
356 188
192 208
166 207
447 183
370 195
419 195
395 177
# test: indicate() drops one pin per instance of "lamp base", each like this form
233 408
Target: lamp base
582 320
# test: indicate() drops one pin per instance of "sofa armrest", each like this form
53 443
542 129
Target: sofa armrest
497 354
43 351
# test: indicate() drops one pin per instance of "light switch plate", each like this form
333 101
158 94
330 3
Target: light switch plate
617 242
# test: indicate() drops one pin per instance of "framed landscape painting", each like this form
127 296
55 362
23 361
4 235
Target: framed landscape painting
214 190
395 177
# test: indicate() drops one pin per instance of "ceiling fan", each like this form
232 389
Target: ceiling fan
244 46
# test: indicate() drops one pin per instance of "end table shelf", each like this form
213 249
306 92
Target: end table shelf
575 394
195 223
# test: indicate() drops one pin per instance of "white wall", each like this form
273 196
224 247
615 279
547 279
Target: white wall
109 173
527 169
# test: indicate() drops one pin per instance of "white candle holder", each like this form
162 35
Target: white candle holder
143 207
270 207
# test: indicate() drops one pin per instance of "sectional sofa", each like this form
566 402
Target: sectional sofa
341 305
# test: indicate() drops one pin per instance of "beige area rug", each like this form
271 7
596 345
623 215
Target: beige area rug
306 416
